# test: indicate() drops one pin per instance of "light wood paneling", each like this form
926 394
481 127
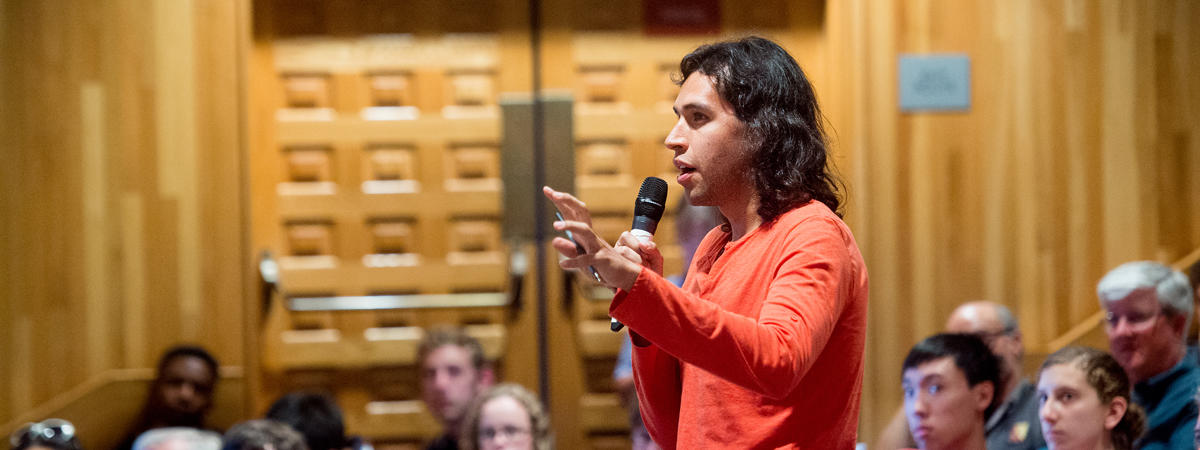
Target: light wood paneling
122 195
124 216
1074 157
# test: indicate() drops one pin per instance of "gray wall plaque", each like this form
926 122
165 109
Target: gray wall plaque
935 82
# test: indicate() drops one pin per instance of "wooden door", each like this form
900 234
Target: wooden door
375 159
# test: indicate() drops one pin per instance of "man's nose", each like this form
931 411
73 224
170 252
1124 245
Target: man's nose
675 140
442 380
187 391
1049 413
920 406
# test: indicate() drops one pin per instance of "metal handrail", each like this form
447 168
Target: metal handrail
408 301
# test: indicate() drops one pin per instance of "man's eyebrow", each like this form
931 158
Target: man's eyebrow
931 377
693 105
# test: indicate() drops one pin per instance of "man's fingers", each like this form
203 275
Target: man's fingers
582 233
579 262
628 253
565 247
627 239
572 208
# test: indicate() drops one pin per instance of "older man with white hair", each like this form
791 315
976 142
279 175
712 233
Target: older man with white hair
1148 307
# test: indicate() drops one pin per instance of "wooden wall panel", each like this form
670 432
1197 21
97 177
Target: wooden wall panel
1076 155
122 202
124 218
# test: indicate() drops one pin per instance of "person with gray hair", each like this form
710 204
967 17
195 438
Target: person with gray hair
1197 428
1148 308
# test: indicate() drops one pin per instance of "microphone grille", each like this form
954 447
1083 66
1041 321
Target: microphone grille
651 199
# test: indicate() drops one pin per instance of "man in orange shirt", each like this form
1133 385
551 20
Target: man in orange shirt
763 345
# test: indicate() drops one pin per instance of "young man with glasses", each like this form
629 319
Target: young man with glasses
1148 307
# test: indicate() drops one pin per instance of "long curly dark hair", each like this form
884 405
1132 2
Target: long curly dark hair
772 96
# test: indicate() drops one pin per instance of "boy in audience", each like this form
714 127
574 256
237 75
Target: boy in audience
317 417
1013 425
949 382
453 372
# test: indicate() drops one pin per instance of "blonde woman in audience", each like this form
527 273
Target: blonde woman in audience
1084 395
506 417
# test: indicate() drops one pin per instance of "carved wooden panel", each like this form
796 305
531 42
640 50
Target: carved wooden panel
388 184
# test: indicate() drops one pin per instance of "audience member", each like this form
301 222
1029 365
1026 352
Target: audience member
263 434
949 383
1085 396
1193 350
1196 430
177 438
317 417
181 394
453 373
1148 307
1014 423
506 417
49 434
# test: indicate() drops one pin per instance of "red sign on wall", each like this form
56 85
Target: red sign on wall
682 16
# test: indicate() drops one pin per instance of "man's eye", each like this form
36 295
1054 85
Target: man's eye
934 388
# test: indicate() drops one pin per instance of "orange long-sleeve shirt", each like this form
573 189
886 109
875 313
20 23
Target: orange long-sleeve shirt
763 346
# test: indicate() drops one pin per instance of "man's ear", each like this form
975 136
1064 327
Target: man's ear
1116 411
1018 341
487 377
983 392
1178 324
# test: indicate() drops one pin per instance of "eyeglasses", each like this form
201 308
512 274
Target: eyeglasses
56 432
1136 321
509 432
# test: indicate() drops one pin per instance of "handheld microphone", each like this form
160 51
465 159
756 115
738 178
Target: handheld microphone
647 211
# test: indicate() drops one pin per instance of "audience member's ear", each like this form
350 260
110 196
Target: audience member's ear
487 377
1178 324
1016 339
1116 410
983 393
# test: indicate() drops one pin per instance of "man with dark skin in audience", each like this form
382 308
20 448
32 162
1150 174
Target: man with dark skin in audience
181 394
